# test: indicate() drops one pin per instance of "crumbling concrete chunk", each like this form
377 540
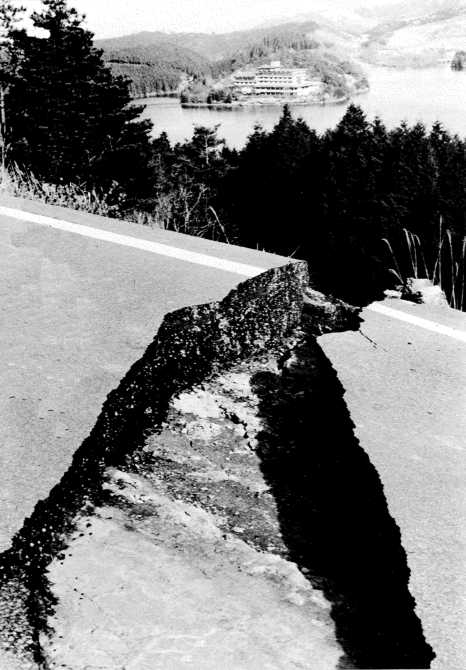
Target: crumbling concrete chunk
325 314
423 291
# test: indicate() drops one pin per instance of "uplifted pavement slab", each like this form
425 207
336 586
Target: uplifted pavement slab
190 343
76 313
247 528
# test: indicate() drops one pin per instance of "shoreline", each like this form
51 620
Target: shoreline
277 102
157 96
256 102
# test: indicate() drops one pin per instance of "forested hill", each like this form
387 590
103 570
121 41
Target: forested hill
212 46
158 62
159 68
409 33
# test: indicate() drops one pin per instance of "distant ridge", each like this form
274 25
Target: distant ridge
412 33
160 63
212 46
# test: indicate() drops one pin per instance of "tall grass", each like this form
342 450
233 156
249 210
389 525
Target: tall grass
178 211
24 184
447 267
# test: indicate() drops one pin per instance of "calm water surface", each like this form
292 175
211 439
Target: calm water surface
414 95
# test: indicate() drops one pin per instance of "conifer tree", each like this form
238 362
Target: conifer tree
70 118
270 185
9 15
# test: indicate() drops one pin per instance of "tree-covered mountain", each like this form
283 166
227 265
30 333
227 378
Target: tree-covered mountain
212 46
326 41
164 62
157 69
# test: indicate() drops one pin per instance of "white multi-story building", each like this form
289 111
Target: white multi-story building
243 82
276 81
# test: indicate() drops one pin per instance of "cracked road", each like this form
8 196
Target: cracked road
406 392
76 312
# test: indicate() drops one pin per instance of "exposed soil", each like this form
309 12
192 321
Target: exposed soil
186 565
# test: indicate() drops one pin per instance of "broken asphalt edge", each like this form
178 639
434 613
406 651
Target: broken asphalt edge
190 344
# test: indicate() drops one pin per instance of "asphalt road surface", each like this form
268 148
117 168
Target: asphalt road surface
77 308
405 387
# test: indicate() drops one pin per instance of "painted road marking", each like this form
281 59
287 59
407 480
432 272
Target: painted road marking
136 243
418 321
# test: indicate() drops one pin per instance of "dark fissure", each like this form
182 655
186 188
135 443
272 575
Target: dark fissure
333 513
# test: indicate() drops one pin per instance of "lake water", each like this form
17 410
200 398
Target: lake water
414 95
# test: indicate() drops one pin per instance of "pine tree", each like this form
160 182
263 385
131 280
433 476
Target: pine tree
70 118
9 15
270 202
347 227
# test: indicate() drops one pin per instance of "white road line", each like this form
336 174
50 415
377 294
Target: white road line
136 243
418 321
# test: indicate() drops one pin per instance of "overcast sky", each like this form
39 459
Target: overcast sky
118 17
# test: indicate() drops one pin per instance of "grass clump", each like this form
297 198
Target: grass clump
177 212
446 267
24 184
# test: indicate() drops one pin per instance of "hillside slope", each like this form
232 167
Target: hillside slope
161 63
439 37
211 46
406 33
155 66
328 42
422 33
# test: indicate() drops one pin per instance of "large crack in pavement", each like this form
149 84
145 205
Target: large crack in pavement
333 513
222 474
